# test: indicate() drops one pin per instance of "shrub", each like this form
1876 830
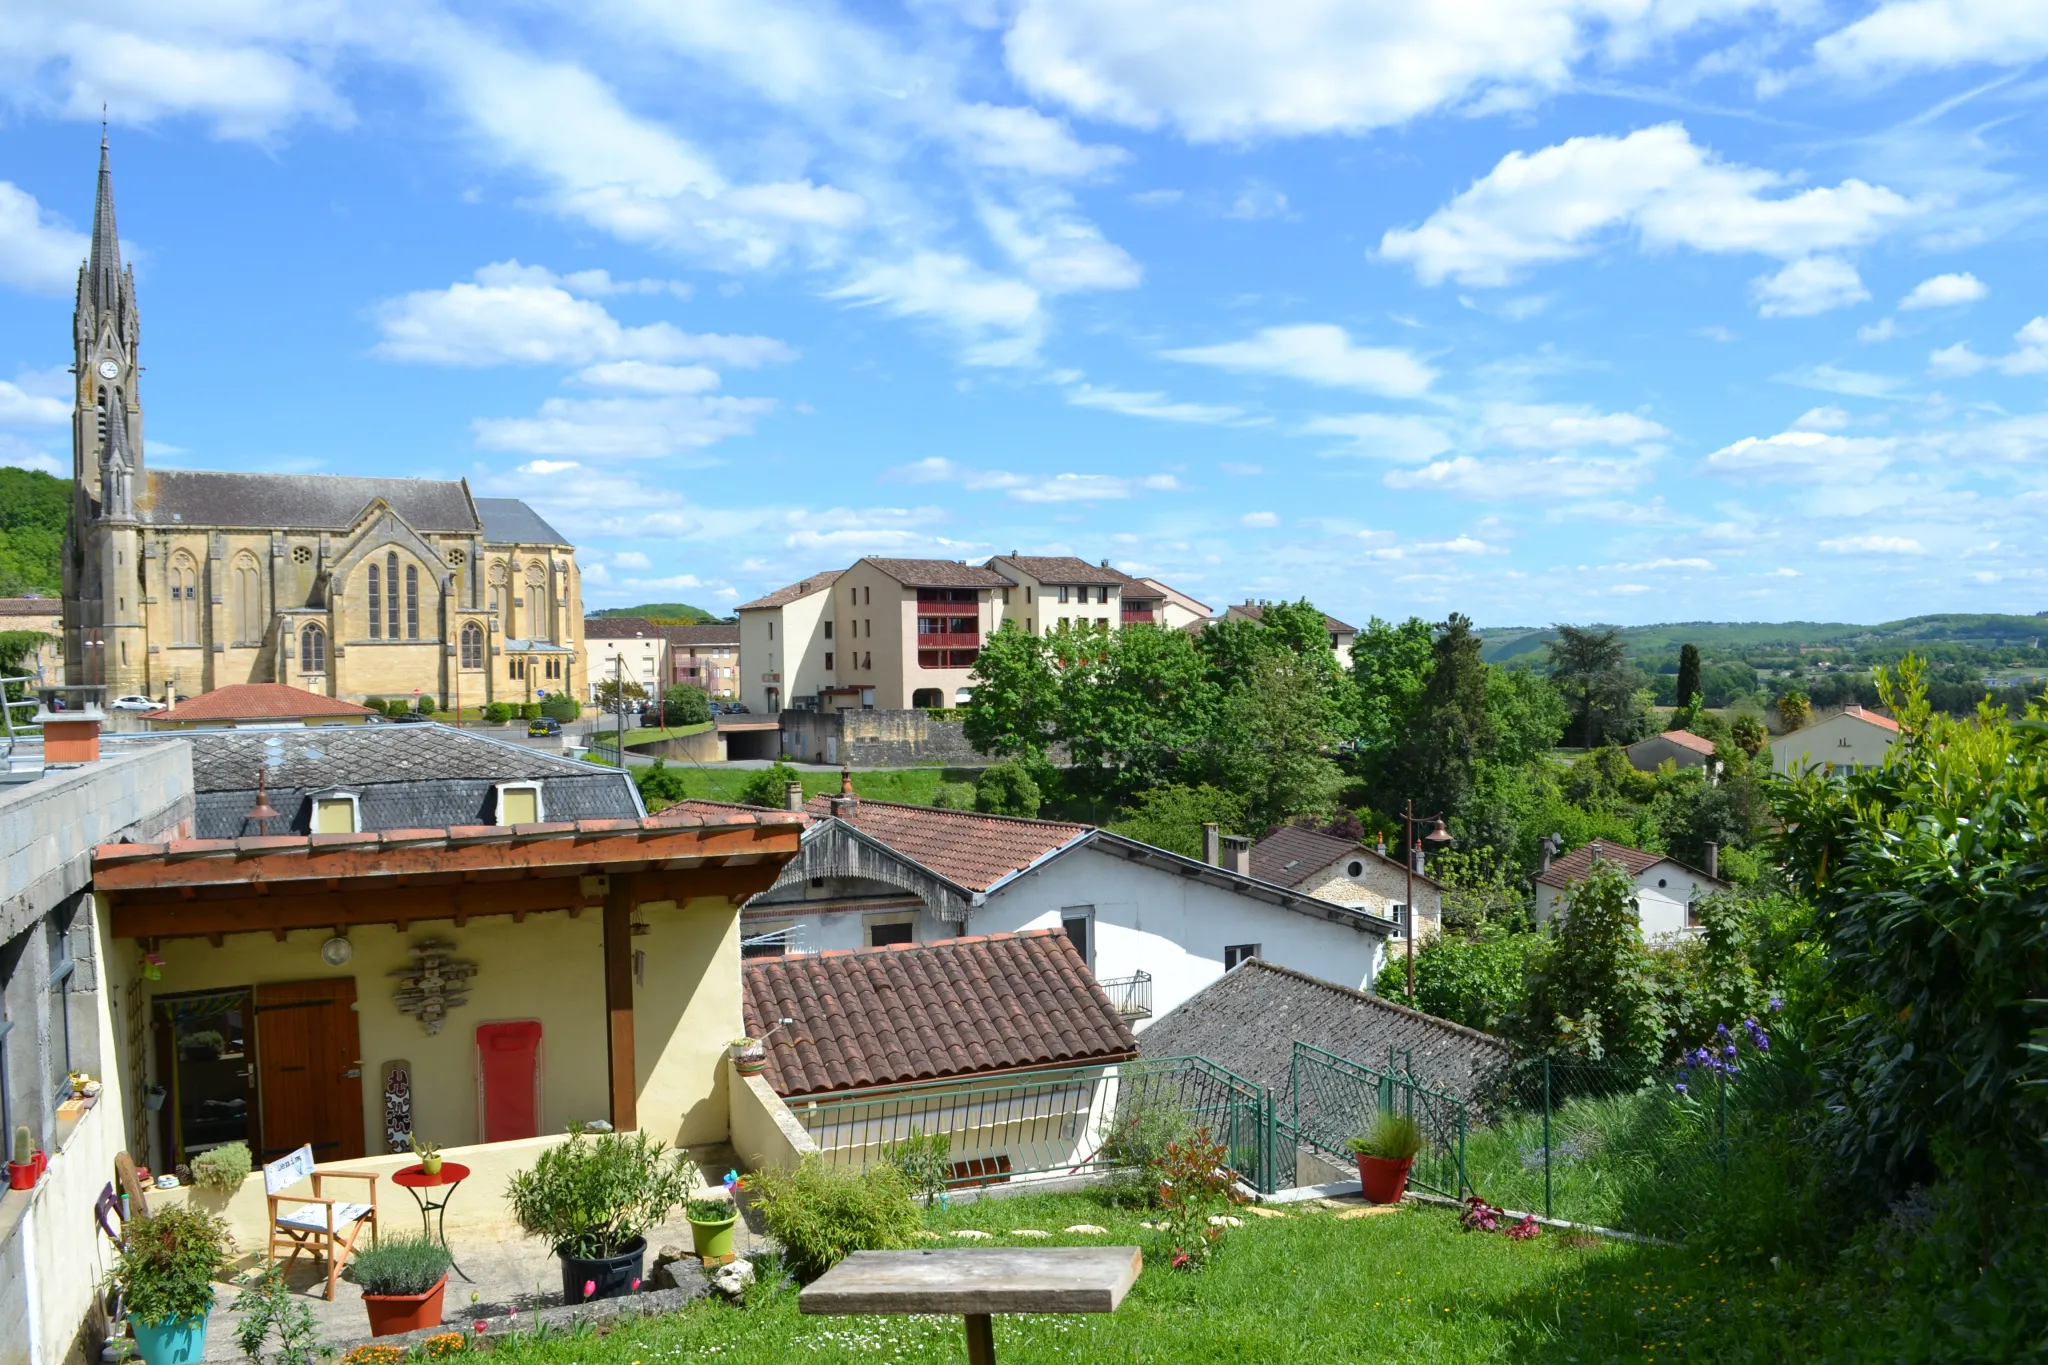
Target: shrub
1470 982
924 1160
710 1210
589 1199
1006 789
1591 992
686 705
1145 1126
169 1263
1194 1180
765 787
424 704
400 1265
561 706
660 785
497 712
822 1214
268 1305
222 1168
1171 817
954 796
1392 1137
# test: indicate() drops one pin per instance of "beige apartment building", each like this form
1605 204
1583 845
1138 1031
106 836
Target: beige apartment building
787 647
658 656
1044 592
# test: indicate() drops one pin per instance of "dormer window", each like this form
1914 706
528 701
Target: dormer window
519 803
337 812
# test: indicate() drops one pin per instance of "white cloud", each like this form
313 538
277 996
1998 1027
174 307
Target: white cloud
2028 356
1021 139
1541 429
1154 405
1058 252
36 399
1037 488
1945 291
1905 34
1810 285
1957 361
1874 545
631 559
37 252
1567 200
1549 479
640 376
21 455
526 323
1409 440
1259 519
1687 565
632 428
1882 330
1460 545
1829 378
1237 70
999 320
1804 457
1828 418
1318 353
591 283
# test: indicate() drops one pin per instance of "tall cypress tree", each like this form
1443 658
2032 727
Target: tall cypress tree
1688 675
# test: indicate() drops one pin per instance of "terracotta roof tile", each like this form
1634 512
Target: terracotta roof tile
937 573
31 606
1065 569
259 701
927 1011
1289 855
1252 611
817 582
1686 739
1858 713
972 850
1571 867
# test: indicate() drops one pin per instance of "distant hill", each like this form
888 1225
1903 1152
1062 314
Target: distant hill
665 613
34 508
1510 644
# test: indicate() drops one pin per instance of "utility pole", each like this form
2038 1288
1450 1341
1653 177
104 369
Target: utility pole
619 676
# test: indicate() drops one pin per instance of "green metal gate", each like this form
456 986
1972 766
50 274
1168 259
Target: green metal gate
1332 1099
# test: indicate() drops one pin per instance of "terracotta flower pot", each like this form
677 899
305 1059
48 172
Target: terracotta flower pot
391 1314
749 1066
1383 1180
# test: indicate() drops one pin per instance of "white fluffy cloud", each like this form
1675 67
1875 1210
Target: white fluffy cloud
1873 545
1154 405
1549 479
1804 457
999 320
1407 440
1012 138
1259 520
1805 287
1059 252
37 252
1549 429
2029 355
1565 201
1037 488
640 376
622 428
1945 291
36 399
1318 353
1906 34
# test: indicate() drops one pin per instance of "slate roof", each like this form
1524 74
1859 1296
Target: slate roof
31 606
1066 569
817 582
1573 866
1290 854
937 573
508 521
258 701
321 502
427 776
1249 1020
967 848
1254 610
929 1011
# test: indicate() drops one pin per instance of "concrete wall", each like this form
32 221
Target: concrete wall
880 738
764 1132
706 746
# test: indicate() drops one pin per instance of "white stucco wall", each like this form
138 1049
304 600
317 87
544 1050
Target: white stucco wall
1663 890
1842 739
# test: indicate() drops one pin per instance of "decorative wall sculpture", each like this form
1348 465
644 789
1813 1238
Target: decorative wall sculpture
434 984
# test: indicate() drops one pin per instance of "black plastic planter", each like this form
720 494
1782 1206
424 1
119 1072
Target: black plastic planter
610 1278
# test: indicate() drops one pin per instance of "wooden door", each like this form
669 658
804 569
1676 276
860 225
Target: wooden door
311 1069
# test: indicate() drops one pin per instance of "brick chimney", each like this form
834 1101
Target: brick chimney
1212 848
71 736
1550 845
792 796
1237 854
847 802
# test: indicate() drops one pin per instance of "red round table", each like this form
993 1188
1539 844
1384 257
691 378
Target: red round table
416 1182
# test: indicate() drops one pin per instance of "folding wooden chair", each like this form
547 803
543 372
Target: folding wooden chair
326 1227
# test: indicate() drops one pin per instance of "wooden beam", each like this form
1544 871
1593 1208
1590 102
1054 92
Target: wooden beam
141 914
618 999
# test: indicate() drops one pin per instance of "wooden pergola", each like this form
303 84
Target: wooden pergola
207 888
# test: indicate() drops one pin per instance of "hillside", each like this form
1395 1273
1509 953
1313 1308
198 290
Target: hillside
34 508
1508 644
666 613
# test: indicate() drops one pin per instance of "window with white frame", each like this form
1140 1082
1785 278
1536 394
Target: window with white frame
519 803
1235 953
336 812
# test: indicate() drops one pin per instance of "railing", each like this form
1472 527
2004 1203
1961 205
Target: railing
1333 1099
948 639
775 943
1132 995
1073 1121
1137 615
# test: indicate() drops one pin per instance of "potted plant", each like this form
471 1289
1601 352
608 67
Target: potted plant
429 1154
749 1055
168 1264
593 1201
711 1223
21 1163
403 1279
1385 1152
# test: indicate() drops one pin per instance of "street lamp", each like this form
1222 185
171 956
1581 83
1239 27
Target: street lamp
1437 838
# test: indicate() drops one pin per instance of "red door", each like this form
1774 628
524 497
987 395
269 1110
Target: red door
508 1080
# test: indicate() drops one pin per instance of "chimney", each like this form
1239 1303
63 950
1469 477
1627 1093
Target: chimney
1596 852
846 778
1713 860
1550 845
1415 856
1380 847
1212 849
1237 854
847 802
792 796
70 736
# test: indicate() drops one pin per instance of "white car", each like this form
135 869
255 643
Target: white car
134 703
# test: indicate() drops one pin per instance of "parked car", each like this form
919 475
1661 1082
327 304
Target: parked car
412 718
134 703
545 727
738 708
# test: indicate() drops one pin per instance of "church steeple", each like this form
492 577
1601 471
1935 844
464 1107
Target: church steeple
104 265
105 336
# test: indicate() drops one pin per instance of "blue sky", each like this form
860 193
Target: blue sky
1621 310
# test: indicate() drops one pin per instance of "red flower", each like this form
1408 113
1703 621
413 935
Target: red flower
480 1326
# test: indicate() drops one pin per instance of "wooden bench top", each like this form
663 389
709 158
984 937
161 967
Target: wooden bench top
977 1281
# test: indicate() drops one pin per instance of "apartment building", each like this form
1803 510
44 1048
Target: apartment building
787 644
630 648
910 631
706 656
1041 593
1175 610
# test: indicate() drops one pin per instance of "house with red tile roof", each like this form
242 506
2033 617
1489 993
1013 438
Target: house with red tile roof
1666 889
1848 741
1350 873
240 705
1680 747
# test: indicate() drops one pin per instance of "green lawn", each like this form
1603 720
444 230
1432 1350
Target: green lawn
1409 1286
913 785
647 734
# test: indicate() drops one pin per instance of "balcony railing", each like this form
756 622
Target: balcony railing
949 639
1137 615
1132 995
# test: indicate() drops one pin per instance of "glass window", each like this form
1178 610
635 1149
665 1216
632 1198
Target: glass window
56 926
472 645
882 935
313 650
391 592
376 604
334 815
412 602
1239 952
1076 925
519 805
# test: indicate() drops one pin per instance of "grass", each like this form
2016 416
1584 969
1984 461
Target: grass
914 786
647 734
1604 1153
1399 1287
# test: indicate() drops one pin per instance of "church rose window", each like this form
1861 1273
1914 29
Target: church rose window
313 650
302 554
376 605
457 558
472 645
412 602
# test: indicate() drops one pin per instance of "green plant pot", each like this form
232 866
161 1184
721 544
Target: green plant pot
430 1165
713 1241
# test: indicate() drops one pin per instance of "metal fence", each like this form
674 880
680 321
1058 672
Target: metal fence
1332 1099
1132 995
1052 1123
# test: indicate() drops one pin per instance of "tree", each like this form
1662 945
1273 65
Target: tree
34 510
1590 667
683 704
1389 665
1451 730
767 786
1016 710
1132 706
1171 816
1688 675
1527 715
1750 734
1591 992
1794 711
1272 743
615 695
1006 789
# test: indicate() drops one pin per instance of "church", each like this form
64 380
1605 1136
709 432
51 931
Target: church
179 581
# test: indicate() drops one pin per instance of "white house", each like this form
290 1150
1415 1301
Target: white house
1333 868
1666 889
1848 741
1681 747
1153 926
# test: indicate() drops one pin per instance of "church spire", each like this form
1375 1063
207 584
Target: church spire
104 265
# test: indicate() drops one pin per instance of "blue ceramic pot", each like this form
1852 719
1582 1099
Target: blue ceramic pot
174 1341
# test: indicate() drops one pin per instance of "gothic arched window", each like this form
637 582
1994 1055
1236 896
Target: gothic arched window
312 650
376 604
472 645
540 614
184 600
246 587
391 591
501 595
412 602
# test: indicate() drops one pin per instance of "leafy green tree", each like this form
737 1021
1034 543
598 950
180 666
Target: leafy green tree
1132 705
1794 711
1171 816
34 510
766 786
1525 713
683 704
1007 789
1016 710
660 785
619 694
1389 665
1749 734
1688 675
1451 729
1474 982
1273 744
1591 989
1591 669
